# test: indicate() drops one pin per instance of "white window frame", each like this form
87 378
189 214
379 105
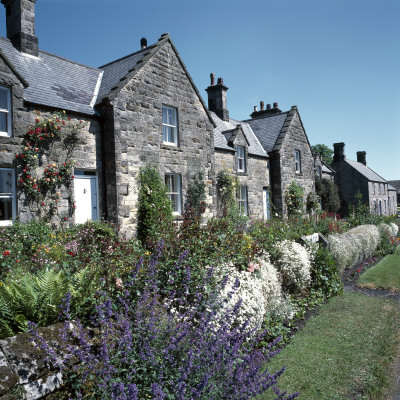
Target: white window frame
7 112
167 125
297 158
12 196
242 200
241 158
174 192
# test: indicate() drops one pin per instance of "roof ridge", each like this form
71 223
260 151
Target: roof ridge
266 116
70 61
127 56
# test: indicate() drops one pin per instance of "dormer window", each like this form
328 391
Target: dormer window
5 111
241 158
297 155
170 125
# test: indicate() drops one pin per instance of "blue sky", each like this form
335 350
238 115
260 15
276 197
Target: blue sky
337 60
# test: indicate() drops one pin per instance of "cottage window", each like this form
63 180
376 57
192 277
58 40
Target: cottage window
379 187
173 183
241 159
7 196
319 172
298 161
5 111
373 187
170 125
242 200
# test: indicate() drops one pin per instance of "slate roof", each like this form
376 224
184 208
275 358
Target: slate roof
364 170
395 185
54 81
327 169
116 71
268 128
220 140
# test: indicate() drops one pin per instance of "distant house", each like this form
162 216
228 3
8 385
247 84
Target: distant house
322 169
354 177
396 187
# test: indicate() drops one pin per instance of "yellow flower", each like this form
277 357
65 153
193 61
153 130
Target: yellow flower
34 156
64 111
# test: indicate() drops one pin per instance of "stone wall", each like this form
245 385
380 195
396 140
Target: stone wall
88 152
256 177
24 374
294 139
138 135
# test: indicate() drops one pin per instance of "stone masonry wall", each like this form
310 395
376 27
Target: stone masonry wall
296 139
255 178
88 150
139 136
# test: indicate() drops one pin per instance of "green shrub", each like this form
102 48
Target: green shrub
227 186
328 192
196 195
294 199
325 277
154 210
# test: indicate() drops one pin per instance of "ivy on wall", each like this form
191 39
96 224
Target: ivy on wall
41 183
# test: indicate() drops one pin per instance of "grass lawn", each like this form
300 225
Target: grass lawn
384 275
345 352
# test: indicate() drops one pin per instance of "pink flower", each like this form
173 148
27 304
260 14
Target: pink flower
252 267
118 283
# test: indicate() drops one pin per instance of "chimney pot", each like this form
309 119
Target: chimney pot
268 106
261 105
255 108
143 43
275 105
212 76
220 81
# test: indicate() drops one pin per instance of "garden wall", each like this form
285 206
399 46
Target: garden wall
23 372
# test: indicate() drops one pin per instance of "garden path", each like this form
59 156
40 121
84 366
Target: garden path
350 285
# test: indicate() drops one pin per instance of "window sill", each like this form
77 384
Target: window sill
169 146
6 223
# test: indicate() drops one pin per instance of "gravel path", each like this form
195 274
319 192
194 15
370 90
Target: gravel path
350 285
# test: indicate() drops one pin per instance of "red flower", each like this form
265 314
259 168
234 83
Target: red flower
42 203
21 180
6 253
17 155
72 176
65 218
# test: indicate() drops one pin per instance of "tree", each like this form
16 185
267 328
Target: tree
324 151
328 192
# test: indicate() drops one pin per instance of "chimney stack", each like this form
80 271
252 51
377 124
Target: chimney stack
217 98
268 111
362 157
338 152
143 43
20 23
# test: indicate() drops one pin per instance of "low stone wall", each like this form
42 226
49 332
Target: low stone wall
24 375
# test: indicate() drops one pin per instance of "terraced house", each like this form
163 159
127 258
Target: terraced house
141 109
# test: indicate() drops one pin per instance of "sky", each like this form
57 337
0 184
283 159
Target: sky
338 61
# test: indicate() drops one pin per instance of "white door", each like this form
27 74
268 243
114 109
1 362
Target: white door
85 187
266 204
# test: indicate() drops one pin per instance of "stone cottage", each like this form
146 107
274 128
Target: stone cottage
238 151
283 137
354 177
141 109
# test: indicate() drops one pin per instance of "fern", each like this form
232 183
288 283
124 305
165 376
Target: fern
38 298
